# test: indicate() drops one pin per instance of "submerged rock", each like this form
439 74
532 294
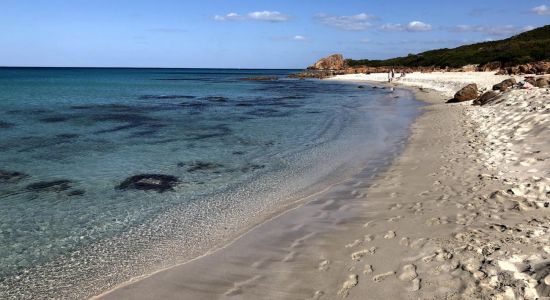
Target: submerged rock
55 119
260 78
76 193
468 92
50 186
5 125
216 98
11 177
156 182
203 166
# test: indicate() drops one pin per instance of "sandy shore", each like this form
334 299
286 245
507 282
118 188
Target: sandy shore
461 213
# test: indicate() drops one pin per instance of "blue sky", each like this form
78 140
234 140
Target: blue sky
247 34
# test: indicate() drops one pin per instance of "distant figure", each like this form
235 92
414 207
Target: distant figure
392 74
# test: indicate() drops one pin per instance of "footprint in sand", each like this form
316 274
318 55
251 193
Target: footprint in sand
390 235
317 295
404 242
415 285
396 206
368 269
408 273
395 219
424 193
353 244
437 221
368 238
418 243
367 224
383 276
359 254
353 280
323 265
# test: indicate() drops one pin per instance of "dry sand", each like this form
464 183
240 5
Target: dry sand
462 213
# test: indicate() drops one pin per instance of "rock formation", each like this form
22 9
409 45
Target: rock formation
468 92
504 85
332 62
156 182
486 98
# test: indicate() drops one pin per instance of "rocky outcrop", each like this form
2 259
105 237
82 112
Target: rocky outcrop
504 85
332 62
537 68
489 67
541 83
50 186
486 98
468 92
155 182
531 80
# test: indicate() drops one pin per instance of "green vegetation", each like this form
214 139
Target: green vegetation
527 47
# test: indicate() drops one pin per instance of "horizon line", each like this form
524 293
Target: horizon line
219 68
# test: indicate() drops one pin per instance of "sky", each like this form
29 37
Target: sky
246 33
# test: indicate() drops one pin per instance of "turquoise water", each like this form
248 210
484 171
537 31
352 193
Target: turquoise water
239 150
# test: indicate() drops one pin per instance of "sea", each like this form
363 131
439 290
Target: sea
107 174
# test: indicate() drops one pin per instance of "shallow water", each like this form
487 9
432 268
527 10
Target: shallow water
240 151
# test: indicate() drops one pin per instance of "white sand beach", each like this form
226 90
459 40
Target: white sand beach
462 213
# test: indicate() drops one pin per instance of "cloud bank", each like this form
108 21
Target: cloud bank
266 16
492 30
351 23
542 10
414 26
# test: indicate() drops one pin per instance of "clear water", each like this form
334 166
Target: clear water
240 149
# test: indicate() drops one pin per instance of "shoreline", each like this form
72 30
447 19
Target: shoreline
121 257
437 222
298 203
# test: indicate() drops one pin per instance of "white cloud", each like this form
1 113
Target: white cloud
299 38
271 16
352 23
229 17
418 26
268 16
541 10
414 26
492 30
